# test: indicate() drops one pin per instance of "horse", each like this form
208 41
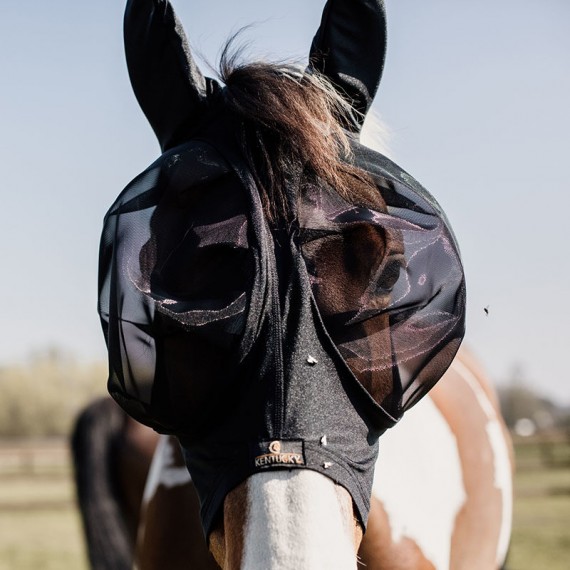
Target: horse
442 495
111 455
277 295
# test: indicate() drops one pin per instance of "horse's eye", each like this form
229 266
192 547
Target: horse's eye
387 279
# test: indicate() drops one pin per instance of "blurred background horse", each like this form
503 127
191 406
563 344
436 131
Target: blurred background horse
442 495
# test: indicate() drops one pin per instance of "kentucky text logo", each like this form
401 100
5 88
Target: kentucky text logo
276 457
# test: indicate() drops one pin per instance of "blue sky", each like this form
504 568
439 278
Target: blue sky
475 94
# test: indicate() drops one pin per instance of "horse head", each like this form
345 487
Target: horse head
277 353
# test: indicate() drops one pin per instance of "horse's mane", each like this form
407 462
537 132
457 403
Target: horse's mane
294 131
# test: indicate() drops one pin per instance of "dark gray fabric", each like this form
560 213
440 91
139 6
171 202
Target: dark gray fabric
284 345
168 85
349 48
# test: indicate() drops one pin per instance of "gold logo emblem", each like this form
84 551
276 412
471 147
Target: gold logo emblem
275 447
277 456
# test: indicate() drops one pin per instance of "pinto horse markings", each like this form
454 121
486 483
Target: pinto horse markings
463 472
441 495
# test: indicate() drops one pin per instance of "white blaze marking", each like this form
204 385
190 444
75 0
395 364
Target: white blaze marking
295 520
501 457
419 480
163 471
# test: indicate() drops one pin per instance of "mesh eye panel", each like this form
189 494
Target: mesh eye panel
388 282
175 286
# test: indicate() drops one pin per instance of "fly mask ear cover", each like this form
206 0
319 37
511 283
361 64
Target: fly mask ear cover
349 48
270 348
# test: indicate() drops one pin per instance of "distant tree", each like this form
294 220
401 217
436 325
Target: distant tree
519 402
42 396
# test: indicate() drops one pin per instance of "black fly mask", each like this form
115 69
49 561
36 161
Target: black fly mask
270 346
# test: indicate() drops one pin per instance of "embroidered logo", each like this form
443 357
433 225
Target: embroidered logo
278 453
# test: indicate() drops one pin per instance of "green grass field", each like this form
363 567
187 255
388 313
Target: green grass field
541 529
40 526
